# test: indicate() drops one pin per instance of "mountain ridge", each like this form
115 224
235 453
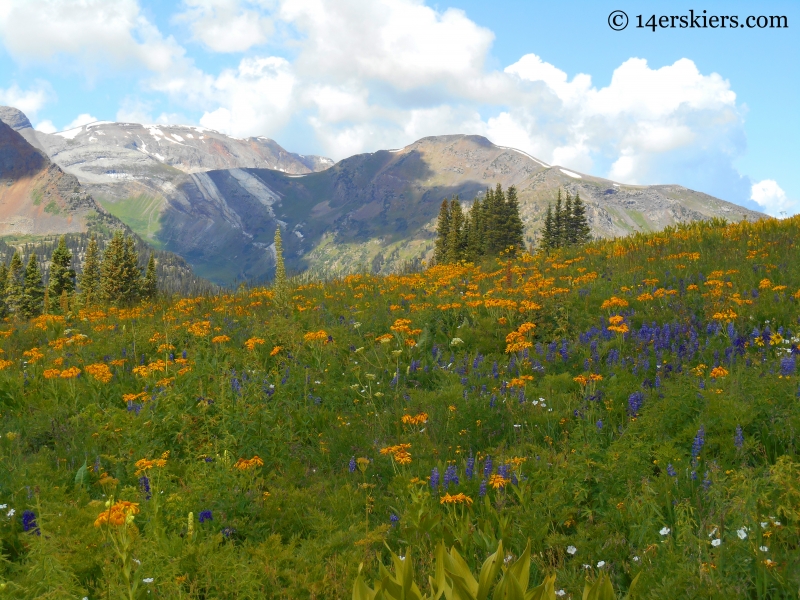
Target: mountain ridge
373 211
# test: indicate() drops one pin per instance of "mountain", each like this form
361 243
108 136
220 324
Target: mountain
39 202
377 211
206 196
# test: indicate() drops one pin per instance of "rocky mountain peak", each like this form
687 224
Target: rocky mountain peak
14 118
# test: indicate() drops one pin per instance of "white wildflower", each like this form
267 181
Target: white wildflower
716 542
571 550
456 341
763 548
742 533
665 531
601 564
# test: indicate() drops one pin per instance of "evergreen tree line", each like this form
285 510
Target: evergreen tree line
174 275
491 226
567 225
113 277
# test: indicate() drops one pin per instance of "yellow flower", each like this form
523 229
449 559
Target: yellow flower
498 481
100 372
459 498
253 342
70 373
220 339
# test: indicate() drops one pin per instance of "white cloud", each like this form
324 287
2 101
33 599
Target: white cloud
226 25
81 119
29 101
255 98
46 126
768 194
97 32
400 42
369 74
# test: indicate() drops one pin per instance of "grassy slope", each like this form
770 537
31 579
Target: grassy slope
594 471
141 213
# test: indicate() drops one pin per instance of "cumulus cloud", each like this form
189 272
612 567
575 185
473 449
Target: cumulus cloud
31 100
97 32
769 195
226 25
360 75
46 126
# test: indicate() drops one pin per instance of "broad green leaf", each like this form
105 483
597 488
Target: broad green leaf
489 571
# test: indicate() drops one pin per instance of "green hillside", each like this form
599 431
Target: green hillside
627 408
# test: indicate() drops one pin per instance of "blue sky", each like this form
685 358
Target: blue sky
715 110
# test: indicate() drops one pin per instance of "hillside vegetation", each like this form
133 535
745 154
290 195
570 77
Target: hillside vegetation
626 408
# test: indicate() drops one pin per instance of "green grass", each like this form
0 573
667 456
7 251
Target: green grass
141 213
640 470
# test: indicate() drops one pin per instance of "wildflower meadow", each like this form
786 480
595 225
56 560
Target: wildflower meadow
626 410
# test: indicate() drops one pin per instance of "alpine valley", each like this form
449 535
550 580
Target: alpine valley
215 200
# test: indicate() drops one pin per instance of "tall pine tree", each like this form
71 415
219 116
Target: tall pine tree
548 231
32 301
455 236
3 282
89 280
442 230
62 275
579 223
514 229
150 284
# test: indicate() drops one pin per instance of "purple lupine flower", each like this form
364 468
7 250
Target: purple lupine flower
228 532
394 519
144 486
450 476
204 516
788 365
563 352
29 522
635 401
699 441
503 470
487 466
671 471
599 425
738 439
351 466
706 481
492 400
470 470
482 488
434 480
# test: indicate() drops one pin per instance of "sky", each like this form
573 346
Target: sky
713 109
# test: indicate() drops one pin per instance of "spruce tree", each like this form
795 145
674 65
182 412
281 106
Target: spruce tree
62 275
112 284
442 230
579 222
455 236
475 235
90 278
514 229
15 284
150 284
558 223
548 234
569 234
131 272
32 290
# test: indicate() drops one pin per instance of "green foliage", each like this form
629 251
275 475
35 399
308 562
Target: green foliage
62 275
369 415
90 278
15 284
567 226
491 227
32 302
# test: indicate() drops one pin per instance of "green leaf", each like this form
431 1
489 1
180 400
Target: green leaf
82 476
489 571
